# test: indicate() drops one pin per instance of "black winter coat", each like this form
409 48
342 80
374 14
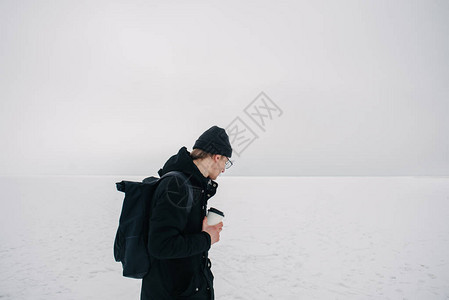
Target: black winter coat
180 267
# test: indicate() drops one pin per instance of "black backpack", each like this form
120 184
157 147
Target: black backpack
131 240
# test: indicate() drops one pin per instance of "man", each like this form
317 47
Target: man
179 237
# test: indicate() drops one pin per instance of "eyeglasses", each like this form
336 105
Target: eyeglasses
228 164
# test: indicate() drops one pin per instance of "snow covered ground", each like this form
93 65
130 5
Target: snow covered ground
284 238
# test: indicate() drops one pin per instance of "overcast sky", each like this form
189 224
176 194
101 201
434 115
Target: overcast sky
117 87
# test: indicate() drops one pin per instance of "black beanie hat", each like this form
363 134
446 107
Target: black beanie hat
214 141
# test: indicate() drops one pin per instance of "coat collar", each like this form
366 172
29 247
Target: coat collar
184 163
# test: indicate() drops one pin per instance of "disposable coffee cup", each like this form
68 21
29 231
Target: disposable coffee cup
214 216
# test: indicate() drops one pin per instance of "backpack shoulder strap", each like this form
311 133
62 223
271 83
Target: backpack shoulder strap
185 182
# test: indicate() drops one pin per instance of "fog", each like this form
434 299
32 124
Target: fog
117 87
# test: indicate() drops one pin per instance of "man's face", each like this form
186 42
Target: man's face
218 166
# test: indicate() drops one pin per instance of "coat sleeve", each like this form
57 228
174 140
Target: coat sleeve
169 217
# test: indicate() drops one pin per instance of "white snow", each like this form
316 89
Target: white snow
283 238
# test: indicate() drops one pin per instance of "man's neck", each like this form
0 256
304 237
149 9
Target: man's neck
202 166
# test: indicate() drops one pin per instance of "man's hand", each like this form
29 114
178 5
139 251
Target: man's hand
213 231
